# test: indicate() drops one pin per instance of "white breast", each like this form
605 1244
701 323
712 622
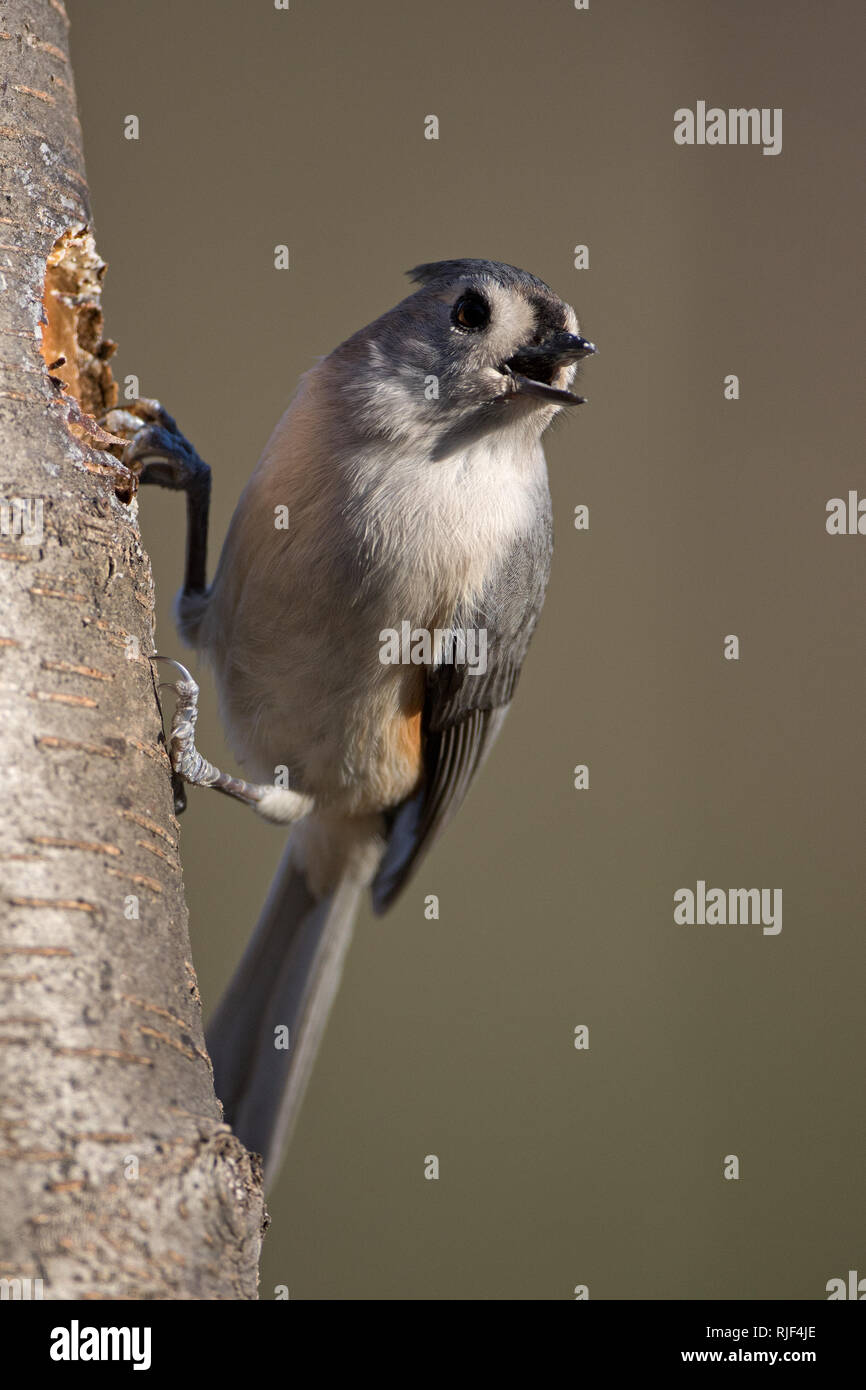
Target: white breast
375 538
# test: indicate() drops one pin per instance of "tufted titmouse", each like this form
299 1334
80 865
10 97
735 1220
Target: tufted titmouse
366 642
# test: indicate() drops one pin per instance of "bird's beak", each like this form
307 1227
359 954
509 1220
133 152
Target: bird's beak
532 369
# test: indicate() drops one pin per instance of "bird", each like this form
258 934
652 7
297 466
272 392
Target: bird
377 590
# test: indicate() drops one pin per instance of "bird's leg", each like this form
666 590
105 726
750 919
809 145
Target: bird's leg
273 803
157 453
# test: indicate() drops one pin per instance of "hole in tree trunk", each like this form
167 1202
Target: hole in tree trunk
73 347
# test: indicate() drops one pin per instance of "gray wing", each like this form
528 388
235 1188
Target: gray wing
463 713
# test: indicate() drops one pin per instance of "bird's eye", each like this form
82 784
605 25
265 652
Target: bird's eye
471 312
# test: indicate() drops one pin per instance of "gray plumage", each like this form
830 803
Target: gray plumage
411 464
463 713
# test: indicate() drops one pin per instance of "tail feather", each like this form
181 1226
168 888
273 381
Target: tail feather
289 976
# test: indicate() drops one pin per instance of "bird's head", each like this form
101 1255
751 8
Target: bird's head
480 346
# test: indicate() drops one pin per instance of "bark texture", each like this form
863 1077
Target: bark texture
118 1178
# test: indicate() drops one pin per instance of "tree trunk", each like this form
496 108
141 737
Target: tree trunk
117 1177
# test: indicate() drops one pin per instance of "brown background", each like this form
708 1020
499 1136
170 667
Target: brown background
454 1037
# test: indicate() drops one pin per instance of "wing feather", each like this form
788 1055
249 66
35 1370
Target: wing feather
463 713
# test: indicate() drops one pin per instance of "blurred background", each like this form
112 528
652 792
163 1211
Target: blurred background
455 1037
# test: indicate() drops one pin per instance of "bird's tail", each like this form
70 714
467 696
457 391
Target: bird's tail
266 1031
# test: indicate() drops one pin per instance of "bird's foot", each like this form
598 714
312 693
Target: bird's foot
156 451
278 804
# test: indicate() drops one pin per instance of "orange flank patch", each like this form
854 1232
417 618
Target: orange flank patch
408 742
